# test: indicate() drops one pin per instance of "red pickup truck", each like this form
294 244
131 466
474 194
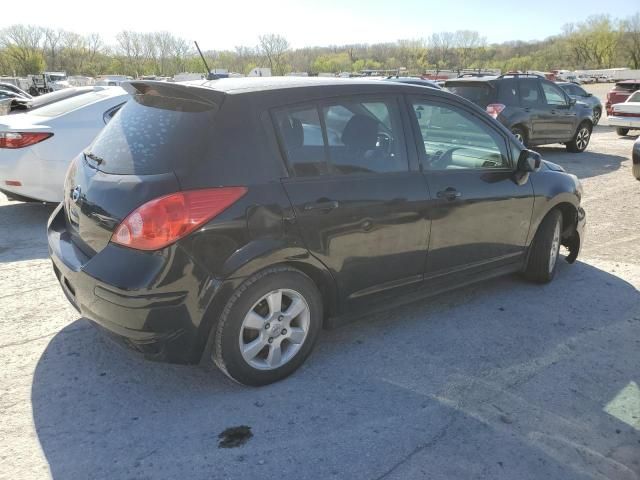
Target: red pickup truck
620 92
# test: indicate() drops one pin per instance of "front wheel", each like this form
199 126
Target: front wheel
520 134
545 249
580 139
622 131
597 114
268 327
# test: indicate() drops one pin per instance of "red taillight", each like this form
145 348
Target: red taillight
162 221
22 139
494 109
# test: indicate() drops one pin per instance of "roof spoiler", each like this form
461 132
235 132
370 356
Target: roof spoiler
179 91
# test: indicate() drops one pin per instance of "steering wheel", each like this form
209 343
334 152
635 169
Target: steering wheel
444 159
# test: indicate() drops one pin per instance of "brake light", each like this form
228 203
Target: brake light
162 221
22 139
494 109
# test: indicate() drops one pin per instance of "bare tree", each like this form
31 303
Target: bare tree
274 48
631 33
52 41
468 43
441 49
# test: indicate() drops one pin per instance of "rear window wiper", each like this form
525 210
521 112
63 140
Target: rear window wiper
93 157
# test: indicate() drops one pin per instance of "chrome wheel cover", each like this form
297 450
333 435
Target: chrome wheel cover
555 247
274 329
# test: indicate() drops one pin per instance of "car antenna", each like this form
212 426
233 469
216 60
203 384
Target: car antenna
210 76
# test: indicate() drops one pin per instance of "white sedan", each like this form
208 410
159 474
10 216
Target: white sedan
625 116
36 147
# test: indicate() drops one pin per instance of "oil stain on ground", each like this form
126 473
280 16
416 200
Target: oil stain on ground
235 437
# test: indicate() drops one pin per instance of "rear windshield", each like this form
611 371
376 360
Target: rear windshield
478 93
153 135
68 104
629 87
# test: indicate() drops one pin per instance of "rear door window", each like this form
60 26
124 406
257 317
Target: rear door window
365 137
530 94
508 92
302 140
343 138
553 95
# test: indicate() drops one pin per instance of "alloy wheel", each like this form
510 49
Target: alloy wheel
519 137
582 139
274 329
555 247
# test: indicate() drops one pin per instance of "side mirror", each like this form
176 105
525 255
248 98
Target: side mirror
572 102
529 161
589 94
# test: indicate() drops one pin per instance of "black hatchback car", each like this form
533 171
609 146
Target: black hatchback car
535 110
229 220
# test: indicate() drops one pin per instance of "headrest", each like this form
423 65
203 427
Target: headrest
292 132
361 132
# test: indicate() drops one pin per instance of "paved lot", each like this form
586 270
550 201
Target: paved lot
503 380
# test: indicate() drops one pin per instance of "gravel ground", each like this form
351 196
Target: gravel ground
503 380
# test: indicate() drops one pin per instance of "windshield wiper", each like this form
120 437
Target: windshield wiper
94 157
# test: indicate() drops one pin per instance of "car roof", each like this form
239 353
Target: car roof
254 84
472 79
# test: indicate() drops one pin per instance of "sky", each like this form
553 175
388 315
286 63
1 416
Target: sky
224 24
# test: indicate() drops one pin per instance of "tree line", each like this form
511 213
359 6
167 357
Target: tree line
598 42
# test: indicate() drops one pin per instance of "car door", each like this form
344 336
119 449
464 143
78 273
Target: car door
361 210
561 116
531 101
480 215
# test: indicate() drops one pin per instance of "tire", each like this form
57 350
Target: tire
581 139
239 326
520 134
636 170
622 131
542 262
597 114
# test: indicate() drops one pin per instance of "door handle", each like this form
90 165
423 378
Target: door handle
326 205
449 194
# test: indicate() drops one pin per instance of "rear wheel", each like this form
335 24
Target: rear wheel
622 131
597 114
268 327
520 134
580 139
545 248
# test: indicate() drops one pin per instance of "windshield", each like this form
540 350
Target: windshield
69 104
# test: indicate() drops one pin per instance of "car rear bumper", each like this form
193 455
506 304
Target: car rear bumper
145 300
624 122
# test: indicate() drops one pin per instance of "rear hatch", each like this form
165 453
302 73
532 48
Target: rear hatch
133 159
482 93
